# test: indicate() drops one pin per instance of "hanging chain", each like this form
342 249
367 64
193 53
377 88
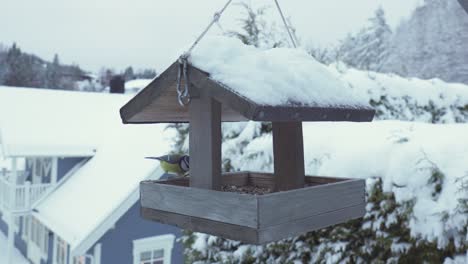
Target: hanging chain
183 92
183 95
293 39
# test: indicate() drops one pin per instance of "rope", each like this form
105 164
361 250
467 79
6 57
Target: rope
293 41
183 94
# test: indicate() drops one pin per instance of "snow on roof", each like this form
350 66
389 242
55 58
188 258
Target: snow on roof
279 76
136 85
55 123
44 119
96 190
403 154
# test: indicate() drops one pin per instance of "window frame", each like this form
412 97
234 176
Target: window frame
61 251
151 244
35 232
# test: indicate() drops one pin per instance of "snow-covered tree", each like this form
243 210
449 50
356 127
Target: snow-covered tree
256 30
432 43
53 74
387 233
368 49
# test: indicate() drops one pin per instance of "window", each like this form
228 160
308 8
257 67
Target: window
153 250
79 260
152 257
37 233
40 168
62 251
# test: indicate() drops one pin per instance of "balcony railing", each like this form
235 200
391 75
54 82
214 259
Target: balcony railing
19 198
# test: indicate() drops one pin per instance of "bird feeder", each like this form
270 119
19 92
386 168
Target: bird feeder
200 202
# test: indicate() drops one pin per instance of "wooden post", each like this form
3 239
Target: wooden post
288 150
205 143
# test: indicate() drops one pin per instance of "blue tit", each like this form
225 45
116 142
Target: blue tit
177 164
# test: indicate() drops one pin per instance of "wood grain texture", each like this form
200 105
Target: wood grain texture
255 219
208 204
298 227
284 207
205 143
235 232
288 152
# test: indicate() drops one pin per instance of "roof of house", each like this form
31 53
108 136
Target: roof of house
251 84
38 122
85 204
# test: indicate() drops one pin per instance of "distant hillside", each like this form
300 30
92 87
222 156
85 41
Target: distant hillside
21 69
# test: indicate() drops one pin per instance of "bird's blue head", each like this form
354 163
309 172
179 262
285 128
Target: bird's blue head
184 163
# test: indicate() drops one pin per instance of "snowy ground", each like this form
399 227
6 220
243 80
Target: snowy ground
18 258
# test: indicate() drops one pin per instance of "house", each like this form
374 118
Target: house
133 86
58 151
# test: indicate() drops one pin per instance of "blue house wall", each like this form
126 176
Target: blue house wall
117 243
65 165
19 243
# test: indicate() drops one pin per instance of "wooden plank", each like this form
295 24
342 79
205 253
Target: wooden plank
149 94
301 226
324 180
235 232
307 113
260 179
284 207
232 178
288 152
208 204
205 143
235 178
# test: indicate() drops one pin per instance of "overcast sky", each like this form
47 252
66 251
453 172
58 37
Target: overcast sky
152 33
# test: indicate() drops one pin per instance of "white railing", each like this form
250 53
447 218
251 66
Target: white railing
19 198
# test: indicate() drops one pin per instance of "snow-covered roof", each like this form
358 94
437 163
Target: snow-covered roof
85 205
38 122
134 86
277 85
86 202
279 76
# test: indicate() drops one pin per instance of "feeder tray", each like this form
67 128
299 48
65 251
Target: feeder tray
296 204
255 219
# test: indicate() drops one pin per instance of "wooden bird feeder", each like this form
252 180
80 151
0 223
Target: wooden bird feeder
297 204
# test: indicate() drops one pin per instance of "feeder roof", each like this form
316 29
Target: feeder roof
278 84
